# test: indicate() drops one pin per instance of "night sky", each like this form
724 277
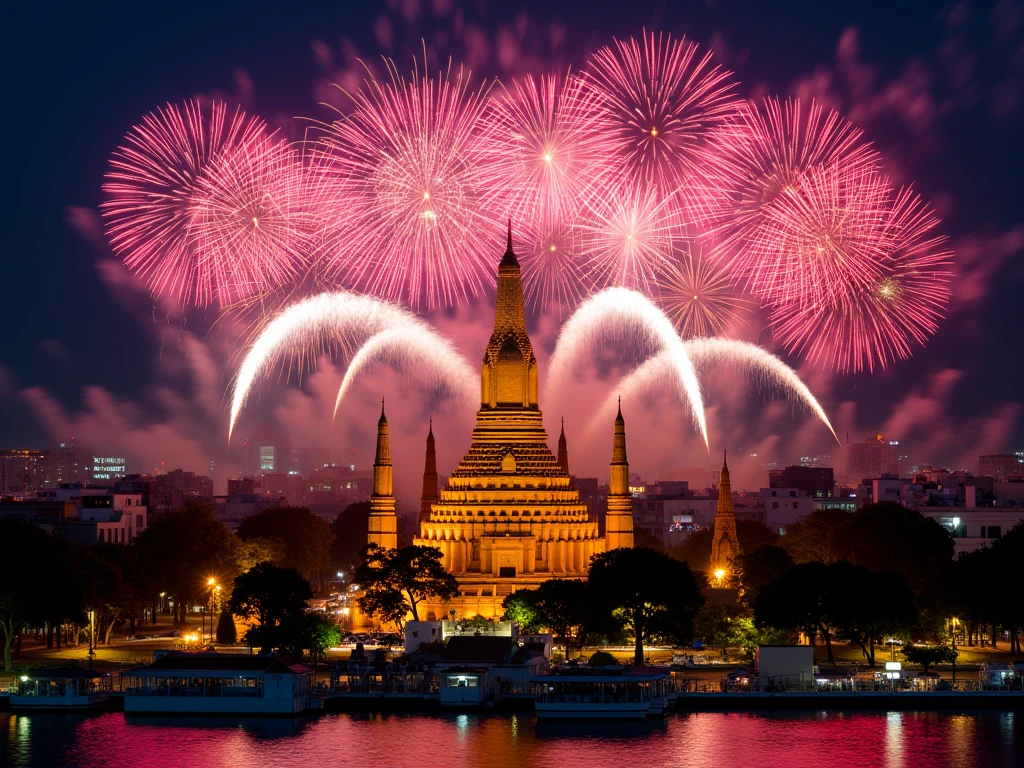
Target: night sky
939 88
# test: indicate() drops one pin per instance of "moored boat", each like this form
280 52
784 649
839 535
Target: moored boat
601 694
61 688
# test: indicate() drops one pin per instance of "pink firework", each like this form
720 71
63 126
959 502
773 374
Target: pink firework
697 296
541 151
166 166
823 237
662 103
553 270
399 191
882 321
626 236
775 148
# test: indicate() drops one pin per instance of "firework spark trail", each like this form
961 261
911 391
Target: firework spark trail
777 145
883 320
697 296
554 277
662 102
319 324
397 184
630 317
627 236
410 349
716 352
153 185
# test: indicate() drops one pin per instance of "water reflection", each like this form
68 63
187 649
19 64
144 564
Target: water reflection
790 739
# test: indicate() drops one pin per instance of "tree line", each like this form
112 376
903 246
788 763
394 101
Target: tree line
50 587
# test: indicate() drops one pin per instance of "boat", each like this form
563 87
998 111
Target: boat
601 694
219 684
61 688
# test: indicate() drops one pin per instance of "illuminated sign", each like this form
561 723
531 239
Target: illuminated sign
108 467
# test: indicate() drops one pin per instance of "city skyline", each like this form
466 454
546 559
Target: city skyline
155 391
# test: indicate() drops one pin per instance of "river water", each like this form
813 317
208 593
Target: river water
790 739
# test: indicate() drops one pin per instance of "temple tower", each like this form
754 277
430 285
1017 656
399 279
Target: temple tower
563 451
383 528
429 495
726 545
618 529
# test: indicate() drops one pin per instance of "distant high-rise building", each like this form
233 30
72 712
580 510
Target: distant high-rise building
999 466
20 469
815 482
872 458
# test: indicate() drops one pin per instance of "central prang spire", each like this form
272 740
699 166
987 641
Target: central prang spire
509 372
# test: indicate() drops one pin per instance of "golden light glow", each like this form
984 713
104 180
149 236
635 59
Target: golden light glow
552 247
211 581
654 132
547 157
426 195
255 222
719 574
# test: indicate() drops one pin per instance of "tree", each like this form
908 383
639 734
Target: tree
562 606
744 633
756 568
305 539
1006 556
642 538
812 540
797 601
251 552
179 552
927 655
226 632
32 569
349 529
602 659
646 592
889 537
321 634
521 607
865 606
396 581
274 600
711 624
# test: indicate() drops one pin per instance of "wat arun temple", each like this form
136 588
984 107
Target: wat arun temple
510 516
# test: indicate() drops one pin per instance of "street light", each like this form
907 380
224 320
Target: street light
954 649
719 575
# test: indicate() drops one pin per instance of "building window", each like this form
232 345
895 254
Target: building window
775 505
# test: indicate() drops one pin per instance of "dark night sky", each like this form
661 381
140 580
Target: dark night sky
939 88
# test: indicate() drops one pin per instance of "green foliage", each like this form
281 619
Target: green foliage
305 539
757 567
226 632
711 624
563 608
275 599
395 581
321 634
927 655
813 539
180 551
602 659
251 552
521 607
349 529
889 537
36 581
646 592
744 633
797 601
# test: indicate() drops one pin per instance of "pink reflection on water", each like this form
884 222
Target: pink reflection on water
764 740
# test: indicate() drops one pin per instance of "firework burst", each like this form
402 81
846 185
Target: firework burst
173 186
662 102
776 147
553 275
627 237
399 189
882 320
541 151
697 296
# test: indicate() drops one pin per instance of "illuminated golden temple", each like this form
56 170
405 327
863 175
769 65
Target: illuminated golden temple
510 516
